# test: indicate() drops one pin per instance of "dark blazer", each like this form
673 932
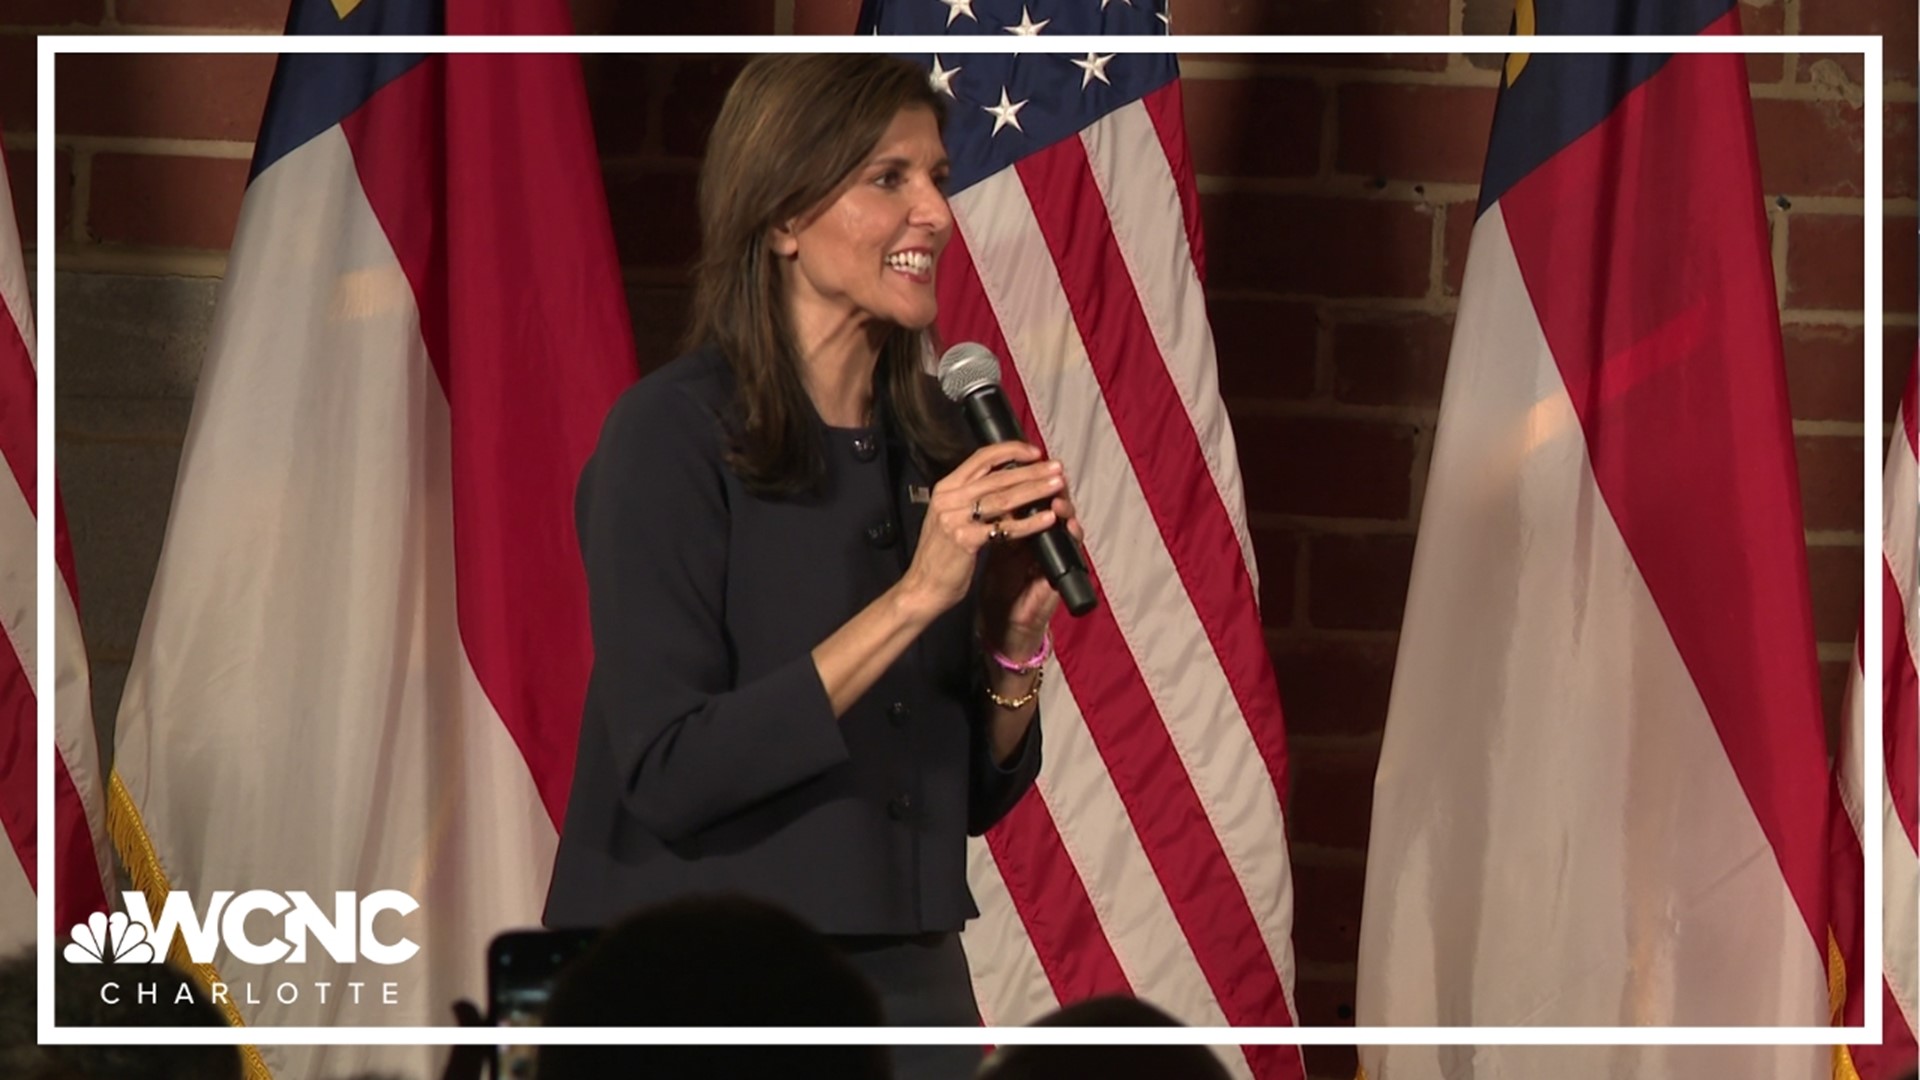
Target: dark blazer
710 759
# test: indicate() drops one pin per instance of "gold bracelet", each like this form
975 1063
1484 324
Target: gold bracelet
1024 700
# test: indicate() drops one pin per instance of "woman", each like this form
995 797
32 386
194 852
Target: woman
807 686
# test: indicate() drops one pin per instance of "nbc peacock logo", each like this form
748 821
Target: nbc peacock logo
106 937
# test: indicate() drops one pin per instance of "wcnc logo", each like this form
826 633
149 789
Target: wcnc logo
347 935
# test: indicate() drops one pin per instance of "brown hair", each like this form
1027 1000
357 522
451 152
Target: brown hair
789 136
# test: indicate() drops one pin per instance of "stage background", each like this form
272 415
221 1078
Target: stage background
1338 194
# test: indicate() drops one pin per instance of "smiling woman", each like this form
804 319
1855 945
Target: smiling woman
816 669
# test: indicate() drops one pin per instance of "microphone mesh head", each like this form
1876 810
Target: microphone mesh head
966 368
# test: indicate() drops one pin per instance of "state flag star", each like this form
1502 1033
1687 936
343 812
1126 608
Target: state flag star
955 9
1006 114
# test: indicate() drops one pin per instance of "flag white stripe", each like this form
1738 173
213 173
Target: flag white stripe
1142 587
73 732
1130 167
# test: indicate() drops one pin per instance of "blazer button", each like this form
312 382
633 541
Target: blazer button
899 807
865 447
881 535
899 712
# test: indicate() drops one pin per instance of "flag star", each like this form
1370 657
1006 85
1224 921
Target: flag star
1103 4
941 79
1006 114
1027 27
957 8
1093 67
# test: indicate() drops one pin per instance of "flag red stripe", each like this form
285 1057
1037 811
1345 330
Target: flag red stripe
19 416
480 268
1901 693
1164 108
19 793
1680 389
1046 888
1894 1057
1158 435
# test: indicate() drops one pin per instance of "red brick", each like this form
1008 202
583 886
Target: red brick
1312 17
1254 126
1830 480
183 96
1331 801
1902 150
1334 687
693 102
708 17
1825 257
659 319
654 218
1396 360
1325 1003
1265 347
1358 582
1895 21
1333 1062
1358 247
1834 576
1326 467
1809 147
165 201
18 88
620 89
1833 694
1765 19
54 13
1824 371
1460 221
825 16
266 15
1901 343
1338 62
1900 266
1276 551
1326 911
1400 132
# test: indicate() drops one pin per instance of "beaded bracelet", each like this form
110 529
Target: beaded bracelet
1024 700
1033 663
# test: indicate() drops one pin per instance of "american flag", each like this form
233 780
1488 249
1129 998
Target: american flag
1152 858
1894 1056
79 836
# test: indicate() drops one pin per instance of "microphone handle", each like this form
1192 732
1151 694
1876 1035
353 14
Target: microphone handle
1059 557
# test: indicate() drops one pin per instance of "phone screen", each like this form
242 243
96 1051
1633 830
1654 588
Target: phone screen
521 968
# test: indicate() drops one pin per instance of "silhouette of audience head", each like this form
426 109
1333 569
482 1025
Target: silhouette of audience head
93 995
1106 1062
712 962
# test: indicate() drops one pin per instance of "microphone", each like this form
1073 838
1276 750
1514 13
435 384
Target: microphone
970 375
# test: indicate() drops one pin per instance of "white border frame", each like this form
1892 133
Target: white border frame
1870 46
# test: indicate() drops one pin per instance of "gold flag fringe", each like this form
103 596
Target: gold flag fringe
130 839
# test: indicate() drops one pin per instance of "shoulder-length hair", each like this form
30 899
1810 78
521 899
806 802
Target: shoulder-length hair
790 135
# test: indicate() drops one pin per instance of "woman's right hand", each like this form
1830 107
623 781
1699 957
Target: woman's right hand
962 515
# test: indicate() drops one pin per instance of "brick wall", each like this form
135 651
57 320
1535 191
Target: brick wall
1338 196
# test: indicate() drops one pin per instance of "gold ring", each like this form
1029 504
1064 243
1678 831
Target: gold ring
977 518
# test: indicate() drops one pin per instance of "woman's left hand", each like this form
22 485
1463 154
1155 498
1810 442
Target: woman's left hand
1016 599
